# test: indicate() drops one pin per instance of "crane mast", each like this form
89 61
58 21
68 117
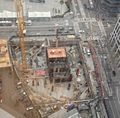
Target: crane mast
21 31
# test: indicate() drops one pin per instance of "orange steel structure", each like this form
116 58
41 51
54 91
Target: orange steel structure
56 52
97 67
21 31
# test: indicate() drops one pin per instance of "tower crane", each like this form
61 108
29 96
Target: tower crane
21 31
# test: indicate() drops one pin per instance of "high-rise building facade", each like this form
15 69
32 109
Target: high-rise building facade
112 5
114 45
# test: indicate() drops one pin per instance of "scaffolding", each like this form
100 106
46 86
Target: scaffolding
58 64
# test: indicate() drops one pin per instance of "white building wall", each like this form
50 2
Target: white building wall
114 44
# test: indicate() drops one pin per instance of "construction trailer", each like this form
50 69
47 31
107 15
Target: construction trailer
58 67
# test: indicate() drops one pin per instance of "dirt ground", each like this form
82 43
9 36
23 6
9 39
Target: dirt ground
9 94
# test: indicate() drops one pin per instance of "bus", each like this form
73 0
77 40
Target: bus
5 23
71 36
27 22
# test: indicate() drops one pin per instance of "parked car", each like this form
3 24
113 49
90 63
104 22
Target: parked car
70 28
51 29
61 28
81 31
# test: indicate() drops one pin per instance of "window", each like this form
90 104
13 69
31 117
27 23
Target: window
112 42
118 65
117 28
115 48
118 41
56 70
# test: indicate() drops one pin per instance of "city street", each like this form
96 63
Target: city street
38 28
113 105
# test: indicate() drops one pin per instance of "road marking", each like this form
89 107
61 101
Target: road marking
73 4
117 95
118 102
76 27
112 109
82 12
116 108
81 9
102 29
85 20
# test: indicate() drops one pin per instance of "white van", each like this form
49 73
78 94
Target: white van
88 51
29 108
19 83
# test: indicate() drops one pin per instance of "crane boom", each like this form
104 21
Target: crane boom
21 30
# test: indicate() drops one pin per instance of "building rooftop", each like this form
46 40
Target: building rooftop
52 6
9 14
56 52
4 55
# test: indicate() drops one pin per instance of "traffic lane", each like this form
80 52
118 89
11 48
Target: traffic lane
86 10
118 98
111 106
115 111
81 8
43 23
109 109
47 33
14 28
112 103
38 32
118 95
46 27
76 8
82 26
78 12
38 23
115 106
115 102
4 35
8 32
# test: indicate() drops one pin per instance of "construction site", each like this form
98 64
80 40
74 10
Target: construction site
55 76
50 76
